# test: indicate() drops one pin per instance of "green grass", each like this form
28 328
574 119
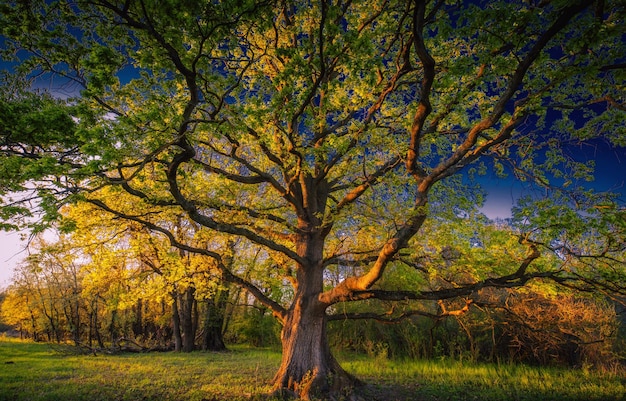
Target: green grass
37 372
454 380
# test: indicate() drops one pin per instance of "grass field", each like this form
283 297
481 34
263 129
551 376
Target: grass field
37 372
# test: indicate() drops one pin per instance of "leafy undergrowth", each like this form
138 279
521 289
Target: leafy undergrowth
37 372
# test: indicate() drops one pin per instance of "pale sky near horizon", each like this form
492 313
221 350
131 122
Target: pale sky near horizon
11 254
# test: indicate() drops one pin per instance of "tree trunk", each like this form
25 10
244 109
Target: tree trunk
212 336
308 368
112 328
186 319
90 335
178 340
33 322
73 322
77 323
165 332
196 316
138 325
96 324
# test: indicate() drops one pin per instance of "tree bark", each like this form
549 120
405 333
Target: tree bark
138 325
113 332
178 340
91 329
96 324
308 369
212 336
186 319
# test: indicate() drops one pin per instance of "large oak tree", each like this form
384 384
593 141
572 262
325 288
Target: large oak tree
327 133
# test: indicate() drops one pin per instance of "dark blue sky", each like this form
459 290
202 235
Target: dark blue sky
610 176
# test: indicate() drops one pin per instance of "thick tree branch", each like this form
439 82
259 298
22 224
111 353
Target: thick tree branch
351 285
349 289
242 179
424 107
513 85
206 221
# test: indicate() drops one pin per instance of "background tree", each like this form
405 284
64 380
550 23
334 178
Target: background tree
155 274
328 134
18 310
45 296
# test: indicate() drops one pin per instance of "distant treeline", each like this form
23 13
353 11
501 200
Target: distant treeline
528 325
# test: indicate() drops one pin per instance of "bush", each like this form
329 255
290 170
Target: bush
255 326
505 325
563 329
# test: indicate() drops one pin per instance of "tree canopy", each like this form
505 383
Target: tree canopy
333 135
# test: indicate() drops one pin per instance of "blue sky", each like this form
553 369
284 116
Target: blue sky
610 176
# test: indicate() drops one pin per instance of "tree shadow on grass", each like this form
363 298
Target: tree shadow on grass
391 392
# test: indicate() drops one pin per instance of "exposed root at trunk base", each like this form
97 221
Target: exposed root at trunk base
336 386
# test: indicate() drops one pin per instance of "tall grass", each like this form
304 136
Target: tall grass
38 372
454 380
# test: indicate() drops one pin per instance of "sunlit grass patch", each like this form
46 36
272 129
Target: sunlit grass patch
456 380
41 372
